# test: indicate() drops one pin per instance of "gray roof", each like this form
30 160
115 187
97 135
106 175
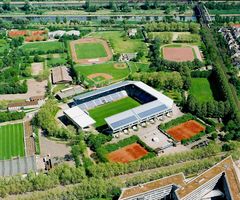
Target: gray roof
136 115
18 166
70 92
102 90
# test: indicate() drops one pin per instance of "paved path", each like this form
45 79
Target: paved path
197 51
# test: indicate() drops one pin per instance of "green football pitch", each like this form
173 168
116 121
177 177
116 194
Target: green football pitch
90 50
109 109
11 141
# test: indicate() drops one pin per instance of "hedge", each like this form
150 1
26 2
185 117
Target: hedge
106 149
10 116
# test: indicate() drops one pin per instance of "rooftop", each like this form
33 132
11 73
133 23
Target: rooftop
79 117
226 166
177 180
61 74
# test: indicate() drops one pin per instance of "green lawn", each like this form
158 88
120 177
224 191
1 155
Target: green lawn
222 12
107 68
57 61
11 141
90 50
109 109
201 89
120 43
42 46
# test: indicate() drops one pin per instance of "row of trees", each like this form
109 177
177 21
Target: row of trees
221 81
10 116
161 80
108 170
173 26
46 119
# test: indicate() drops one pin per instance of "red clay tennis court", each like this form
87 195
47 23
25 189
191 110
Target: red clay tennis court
128 153
185 130
178 54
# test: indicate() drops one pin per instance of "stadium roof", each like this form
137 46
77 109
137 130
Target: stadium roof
18 166
79 117
135 115
101 90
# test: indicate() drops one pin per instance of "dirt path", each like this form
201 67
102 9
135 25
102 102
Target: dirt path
197 51
35 88
37 68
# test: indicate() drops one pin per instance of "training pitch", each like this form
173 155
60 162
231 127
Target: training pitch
185 130
109 109
178 54
88 51
11 141
128 153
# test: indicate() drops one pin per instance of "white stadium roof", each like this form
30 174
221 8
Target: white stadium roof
79 117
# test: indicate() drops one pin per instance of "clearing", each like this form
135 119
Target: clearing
201 89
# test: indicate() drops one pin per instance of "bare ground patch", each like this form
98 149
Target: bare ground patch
37 68
120 65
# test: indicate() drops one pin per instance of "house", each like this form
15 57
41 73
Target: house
61 74
125 57
132 32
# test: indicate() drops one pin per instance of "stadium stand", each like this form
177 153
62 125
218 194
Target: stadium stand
221 182
153 103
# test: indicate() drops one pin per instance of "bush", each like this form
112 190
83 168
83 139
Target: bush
10 116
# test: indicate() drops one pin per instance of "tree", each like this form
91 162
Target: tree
214 135
6 6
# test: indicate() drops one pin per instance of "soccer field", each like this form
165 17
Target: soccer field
90 50
201 89
43 46
11 141
109 109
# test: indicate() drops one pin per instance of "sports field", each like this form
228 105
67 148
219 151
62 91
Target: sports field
119 43
178 54
185 130
128 153
43 46
109 109
11 141
109 69
201 89
90 50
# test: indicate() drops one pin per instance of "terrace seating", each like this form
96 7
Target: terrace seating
103 100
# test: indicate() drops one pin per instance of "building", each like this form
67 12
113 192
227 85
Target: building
81 119
61 74
25 105
153 103
18 165
70 92
220 182
73 32
132 32
126 57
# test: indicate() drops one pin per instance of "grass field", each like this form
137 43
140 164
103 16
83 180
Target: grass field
119 43
43 46
107 68
11 141
109 109
201 89
90 50
221 12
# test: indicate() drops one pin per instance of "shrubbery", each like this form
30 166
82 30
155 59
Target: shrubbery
10 116
105 149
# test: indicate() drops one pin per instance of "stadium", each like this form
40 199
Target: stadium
119 106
